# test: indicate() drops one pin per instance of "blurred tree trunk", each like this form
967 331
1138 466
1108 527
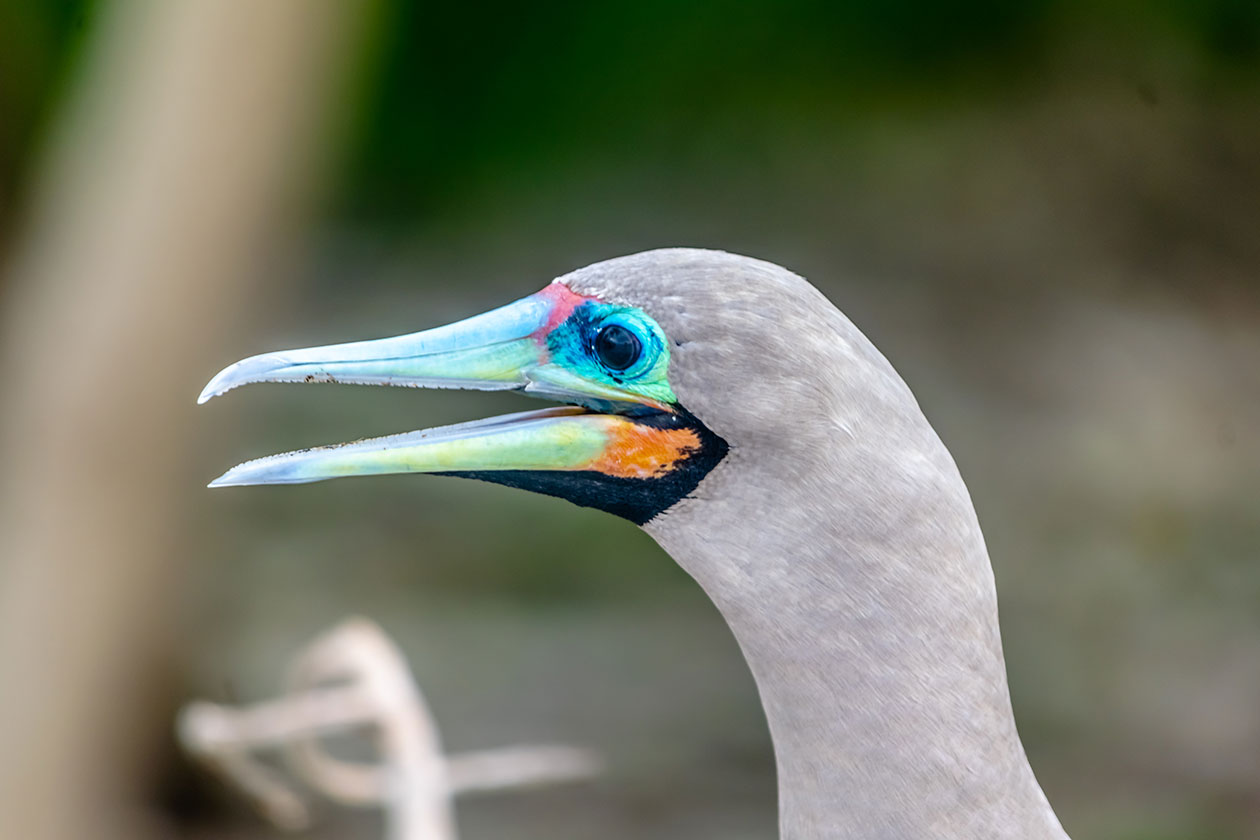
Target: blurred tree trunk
191 138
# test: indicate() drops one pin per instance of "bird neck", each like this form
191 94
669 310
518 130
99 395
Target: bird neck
869 621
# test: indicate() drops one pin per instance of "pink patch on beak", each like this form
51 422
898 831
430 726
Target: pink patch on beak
564 301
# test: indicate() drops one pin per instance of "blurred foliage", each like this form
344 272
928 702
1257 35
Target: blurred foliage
38 44
462 95
473 93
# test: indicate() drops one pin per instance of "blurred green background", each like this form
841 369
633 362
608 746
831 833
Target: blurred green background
1046 214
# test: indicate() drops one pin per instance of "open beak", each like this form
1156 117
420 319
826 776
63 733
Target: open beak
605 431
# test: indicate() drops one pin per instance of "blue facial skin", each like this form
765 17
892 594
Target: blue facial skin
572 345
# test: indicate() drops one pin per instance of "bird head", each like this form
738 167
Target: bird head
665 360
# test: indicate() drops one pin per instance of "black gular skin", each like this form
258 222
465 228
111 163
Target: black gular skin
636 499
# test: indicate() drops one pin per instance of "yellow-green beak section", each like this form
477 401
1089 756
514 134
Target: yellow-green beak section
563 438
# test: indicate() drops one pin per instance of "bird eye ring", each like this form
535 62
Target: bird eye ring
617 347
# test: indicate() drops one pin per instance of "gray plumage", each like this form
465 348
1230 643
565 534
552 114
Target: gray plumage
811 499
840 543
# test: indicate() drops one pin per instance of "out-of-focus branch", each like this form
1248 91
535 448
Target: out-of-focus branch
373 687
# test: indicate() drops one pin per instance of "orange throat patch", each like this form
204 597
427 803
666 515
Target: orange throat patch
638 451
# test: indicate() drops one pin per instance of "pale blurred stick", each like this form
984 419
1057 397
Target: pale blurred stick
187 149
355 677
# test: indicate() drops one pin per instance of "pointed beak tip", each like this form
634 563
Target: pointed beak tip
274 469
218 385
238 476
227 379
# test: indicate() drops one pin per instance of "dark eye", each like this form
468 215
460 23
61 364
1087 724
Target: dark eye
617 347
